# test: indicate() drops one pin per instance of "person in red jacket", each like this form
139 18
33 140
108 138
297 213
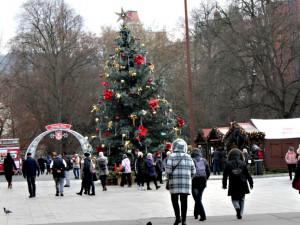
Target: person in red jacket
291 160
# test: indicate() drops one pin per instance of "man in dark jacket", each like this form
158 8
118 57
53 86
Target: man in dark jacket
140 168
41 162
68 167
238 174
29 169
216 161
58 166
9 165
159 166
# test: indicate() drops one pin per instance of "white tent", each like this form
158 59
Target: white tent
278 128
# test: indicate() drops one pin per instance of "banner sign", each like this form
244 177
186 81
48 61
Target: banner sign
58 126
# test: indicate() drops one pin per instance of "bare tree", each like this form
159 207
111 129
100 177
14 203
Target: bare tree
54 67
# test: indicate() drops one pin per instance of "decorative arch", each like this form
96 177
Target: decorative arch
86 147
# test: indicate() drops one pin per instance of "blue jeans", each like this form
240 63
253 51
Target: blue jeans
216 166
198 208
76 173
59 184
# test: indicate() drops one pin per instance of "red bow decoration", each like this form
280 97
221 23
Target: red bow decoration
153 103
100 149
180 122
104 83
143 130
139 60
108 94
168 146
107 134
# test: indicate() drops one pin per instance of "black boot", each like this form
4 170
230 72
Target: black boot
177 221
238 214
183 221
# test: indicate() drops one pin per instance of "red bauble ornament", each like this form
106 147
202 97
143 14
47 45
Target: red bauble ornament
180 125
100 75
123 55
138 38
137 138
99 102
115 46
117 118
149 80
132 92
150 64
97 130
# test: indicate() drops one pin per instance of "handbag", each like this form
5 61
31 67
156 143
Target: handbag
167 181
297 185
95 178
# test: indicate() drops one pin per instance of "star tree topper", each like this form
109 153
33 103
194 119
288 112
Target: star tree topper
123 15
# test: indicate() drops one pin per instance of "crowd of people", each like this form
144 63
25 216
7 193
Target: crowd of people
185 173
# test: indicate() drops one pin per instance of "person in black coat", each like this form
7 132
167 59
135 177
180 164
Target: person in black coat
140 169
159 167
41 162
9 165
29 169
199 184
58 166
238 185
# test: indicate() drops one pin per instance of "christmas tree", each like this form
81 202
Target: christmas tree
132 112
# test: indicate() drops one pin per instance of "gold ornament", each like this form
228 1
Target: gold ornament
123 135
118 95
110 123
132 37
106 76
154 113
126 27
170 110
175 129
117 50
127 144
144 112
151 68
106 117
86 138
143 45
123 67
94 137
95 108
147 86
118 38
133 74
164 101
87 146
103 146
139 90
116 65
133 117
122 81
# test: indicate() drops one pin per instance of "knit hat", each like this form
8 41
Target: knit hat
86 154
245 150
291 148
139 154
100 154
124 156
149 155
157 153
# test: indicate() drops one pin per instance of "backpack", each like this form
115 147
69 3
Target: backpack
200 169
102 165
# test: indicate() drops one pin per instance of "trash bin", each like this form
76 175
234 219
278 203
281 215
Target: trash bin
258 166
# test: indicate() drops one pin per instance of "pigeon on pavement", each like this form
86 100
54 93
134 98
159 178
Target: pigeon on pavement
6 210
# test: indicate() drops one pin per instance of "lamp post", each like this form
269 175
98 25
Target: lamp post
189 75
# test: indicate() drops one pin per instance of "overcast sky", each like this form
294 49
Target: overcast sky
157 14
